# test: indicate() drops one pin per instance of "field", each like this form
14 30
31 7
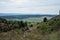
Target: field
35 19
31 19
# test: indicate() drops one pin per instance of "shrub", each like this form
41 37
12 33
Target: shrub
38 23
31 25
38 27
25 24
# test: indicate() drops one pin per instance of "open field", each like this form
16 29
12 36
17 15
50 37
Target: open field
32 19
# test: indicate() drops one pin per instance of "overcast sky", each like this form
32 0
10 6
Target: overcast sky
30 6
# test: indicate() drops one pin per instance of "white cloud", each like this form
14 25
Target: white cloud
30 6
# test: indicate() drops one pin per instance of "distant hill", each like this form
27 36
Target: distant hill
24 16
5 14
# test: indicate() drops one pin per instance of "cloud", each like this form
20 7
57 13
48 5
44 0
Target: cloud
30 6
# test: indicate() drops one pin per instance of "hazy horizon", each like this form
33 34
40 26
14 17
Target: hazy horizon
31 13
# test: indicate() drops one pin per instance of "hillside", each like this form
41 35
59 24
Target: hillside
55 21
39 31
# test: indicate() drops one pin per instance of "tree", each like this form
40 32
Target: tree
22 24
45 19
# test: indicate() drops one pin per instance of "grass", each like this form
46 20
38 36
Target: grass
33 35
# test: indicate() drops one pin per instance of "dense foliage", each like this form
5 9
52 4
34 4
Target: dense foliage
11 25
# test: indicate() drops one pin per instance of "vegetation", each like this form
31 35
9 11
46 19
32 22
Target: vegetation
20 30
50 25
31 25
45 19
3 20
11 25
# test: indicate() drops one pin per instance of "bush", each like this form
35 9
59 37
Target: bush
38 27
25 24
38 23
31 25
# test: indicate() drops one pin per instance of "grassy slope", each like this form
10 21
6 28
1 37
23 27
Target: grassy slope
32 34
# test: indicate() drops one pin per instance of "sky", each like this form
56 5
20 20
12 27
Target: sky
30 6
